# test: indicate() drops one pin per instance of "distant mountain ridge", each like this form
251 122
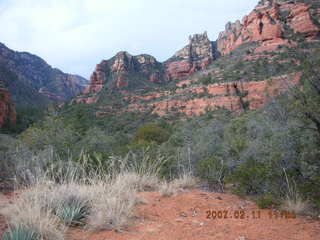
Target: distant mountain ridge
27 80
31 80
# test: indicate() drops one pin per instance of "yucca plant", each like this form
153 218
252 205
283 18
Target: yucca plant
20 233
73 211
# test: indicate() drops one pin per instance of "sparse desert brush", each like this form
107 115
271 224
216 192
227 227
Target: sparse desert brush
167 189
64 195
47 209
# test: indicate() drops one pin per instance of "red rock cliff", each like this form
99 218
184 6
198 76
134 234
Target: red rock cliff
266 24
197 55
258 94
7 109
125 70
224 95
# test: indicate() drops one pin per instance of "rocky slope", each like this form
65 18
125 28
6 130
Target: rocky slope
251 62
31 80
7 108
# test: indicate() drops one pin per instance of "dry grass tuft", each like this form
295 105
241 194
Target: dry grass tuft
185 181
296 205
114 206
140 183
27 212
167 189
294 202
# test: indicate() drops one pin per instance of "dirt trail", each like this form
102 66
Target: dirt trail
185 217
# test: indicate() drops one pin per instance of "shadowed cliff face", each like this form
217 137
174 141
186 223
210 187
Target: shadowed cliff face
31 80
7 109
257 49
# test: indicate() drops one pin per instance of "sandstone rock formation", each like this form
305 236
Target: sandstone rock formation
7 109
197 55
300 19
125 70
267 24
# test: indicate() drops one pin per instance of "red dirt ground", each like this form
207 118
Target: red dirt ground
4 199
184 217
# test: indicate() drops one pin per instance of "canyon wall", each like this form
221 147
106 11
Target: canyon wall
226 95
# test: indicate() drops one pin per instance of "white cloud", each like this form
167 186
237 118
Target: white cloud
74 35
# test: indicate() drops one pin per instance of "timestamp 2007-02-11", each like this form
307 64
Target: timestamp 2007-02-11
254 214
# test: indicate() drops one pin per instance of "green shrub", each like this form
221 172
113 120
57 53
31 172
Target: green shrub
51 132
266 201
151 132
207 79
251 177
311 188
213 171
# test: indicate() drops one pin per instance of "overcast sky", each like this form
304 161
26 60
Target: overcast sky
75 35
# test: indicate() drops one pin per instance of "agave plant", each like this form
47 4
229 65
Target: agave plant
20 233
73 210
